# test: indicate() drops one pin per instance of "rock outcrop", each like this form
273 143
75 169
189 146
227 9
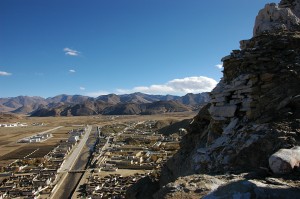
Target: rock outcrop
254 111
282 17
228 186
190 187
237 130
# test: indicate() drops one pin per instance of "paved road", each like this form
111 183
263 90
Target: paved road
68 165
71 159
51 129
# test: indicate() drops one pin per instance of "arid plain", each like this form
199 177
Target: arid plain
11 150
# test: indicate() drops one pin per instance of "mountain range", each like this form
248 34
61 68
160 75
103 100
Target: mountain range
111 104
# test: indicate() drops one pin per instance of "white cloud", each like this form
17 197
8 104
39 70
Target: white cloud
2 73
71 52
72 71
82 88
177 86
219 66
96 93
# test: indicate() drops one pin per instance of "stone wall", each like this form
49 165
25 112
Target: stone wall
259 78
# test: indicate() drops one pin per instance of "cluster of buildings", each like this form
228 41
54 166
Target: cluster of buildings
17 124
137 148
28 179
110 186
35 177
40 137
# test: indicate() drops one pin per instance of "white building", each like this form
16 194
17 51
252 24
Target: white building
14 125
73 139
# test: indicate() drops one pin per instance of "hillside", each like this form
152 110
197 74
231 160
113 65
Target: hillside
160 107
9 117
20 101
100 107
193 99
245 142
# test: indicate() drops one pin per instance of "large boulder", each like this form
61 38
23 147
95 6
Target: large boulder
285 160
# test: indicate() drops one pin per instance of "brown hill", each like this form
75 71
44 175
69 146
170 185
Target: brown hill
123 109
194 99
9 117
100 107
170 126
111 98
165 107
135 103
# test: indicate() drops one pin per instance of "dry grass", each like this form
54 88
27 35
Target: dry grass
39 152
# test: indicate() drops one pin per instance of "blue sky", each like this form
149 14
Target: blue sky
95 47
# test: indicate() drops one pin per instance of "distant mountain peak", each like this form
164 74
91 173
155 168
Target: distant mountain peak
134 103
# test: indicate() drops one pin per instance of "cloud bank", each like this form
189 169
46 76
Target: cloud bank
71 52
176 86
2 73
82 88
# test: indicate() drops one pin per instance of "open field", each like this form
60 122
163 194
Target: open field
99 119
11 150
35 151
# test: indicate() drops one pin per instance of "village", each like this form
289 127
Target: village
122 154
36 177
125 154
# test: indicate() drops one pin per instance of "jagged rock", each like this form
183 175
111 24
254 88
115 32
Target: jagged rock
274 18
223 111
254 189
257 91
293 4
191 187
285 160
244 185
231 126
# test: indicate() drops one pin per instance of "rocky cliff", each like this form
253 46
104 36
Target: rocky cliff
254 111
